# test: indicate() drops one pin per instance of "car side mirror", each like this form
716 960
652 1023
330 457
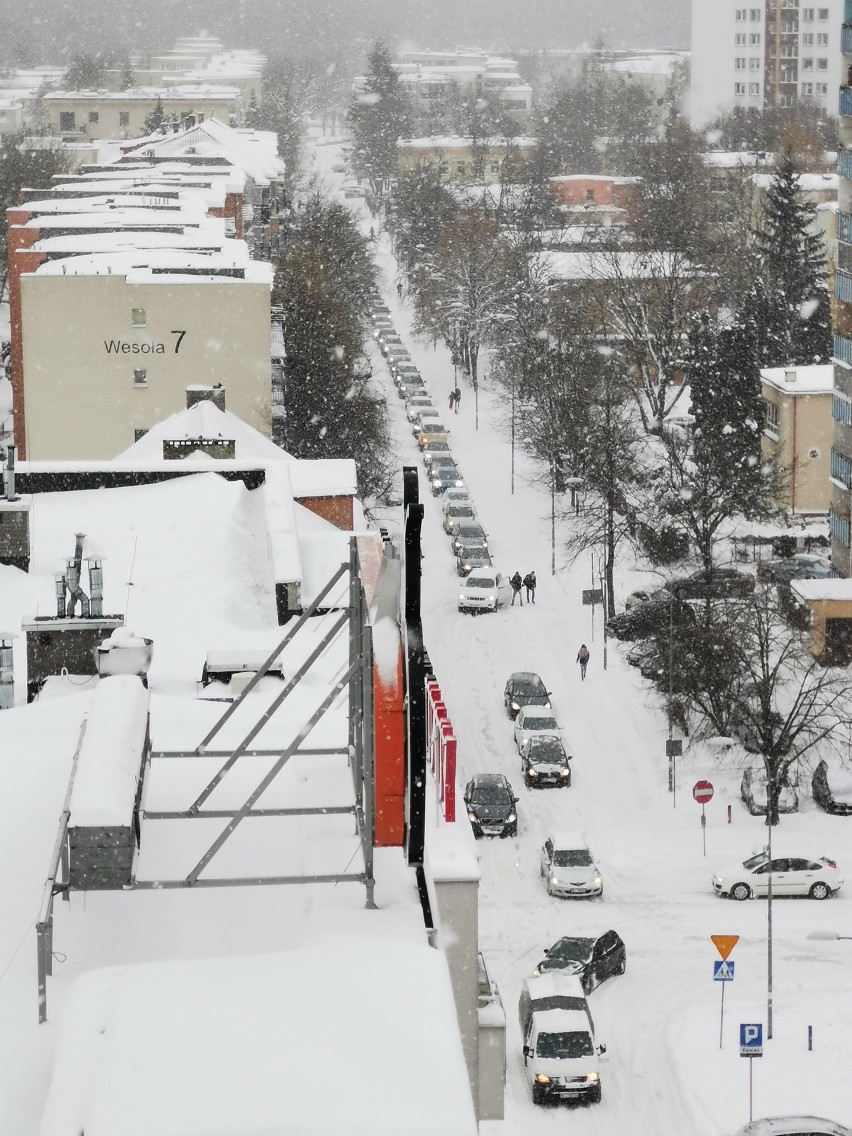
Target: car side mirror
546 951
516 799
527 1051
601 1050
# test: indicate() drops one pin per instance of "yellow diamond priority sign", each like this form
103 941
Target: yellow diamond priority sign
724 944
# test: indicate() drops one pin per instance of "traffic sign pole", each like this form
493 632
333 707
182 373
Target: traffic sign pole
702 791
724 944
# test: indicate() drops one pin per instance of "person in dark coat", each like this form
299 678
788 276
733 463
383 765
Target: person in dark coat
583 659
517 584
529 584
457 397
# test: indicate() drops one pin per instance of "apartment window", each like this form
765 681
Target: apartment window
740 39
839 528
494 167
841 409
140 378
754 14
138 317
740 63
739 88
742 13
807 65
94 116
807 14
789 51
67 121
754 39
772 418
754 64
822 89
807 89
754 88
823 13
822 65
822 39
807 39
841 468
124 118
460 168
789 27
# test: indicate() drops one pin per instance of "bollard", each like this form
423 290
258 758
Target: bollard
810 1038
729 814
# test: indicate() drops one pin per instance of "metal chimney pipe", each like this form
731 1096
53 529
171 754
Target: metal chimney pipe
73 573
9 475
96 587
60 594
7 676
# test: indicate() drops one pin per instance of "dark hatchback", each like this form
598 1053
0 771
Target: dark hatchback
649 618
524 688
592 960
490 803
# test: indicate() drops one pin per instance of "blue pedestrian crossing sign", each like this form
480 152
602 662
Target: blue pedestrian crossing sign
723 971
751 1039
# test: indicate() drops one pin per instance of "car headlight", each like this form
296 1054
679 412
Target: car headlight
459 484
554 880
542 1079
565 773
471 816
436 481
537 972
593 1076
597 881
511 818
547 705
461 596
492 599
515 706
532 772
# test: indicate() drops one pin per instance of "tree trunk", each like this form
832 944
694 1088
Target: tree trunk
610 557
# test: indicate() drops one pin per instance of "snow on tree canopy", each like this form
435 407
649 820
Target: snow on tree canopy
104 788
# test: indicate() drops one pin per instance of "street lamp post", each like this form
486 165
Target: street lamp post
769 939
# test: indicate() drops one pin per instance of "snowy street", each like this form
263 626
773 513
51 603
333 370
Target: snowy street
664 1071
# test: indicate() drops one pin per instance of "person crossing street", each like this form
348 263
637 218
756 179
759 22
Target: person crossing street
517 584
583 660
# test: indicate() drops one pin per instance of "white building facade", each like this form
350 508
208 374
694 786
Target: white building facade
764 53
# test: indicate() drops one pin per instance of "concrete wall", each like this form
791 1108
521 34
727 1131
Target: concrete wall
802 449
458 923
80 352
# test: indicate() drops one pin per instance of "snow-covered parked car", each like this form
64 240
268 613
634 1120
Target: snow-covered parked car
793 1126
485 589
832 788
813 876
545 762
753 792
458 511
568 867
534 721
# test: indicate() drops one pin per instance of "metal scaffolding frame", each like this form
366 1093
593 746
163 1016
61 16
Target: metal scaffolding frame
357 676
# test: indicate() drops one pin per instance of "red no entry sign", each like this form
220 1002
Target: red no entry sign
702 791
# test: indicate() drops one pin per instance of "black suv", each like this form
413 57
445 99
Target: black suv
524 688
592 960
718 583
490 803
545 762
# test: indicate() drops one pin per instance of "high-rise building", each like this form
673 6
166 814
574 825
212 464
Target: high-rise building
763 53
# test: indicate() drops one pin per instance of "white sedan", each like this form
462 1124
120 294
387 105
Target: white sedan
485 589
814 876
534 721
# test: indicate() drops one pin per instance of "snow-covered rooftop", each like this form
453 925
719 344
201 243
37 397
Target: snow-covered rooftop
832 589
815 379
456 141
204 420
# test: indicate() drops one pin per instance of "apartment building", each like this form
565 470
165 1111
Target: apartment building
462 159
428 75
95 115
763 53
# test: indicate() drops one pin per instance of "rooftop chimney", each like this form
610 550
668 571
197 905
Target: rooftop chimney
9 473
789 376
216 395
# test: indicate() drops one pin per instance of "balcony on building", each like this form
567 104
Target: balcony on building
846 100
846 39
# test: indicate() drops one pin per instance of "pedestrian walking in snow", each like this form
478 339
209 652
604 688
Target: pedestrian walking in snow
517 584
529 584
457 398
583 659
452 400
399 289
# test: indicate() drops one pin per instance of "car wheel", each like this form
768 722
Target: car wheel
622 966
547 887
740 892
594 1096
820 891
539 1095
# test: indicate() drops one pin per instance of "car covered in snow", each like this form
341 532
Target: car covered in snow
465 530
429 428
524 688
643 595
568 868
832 788
544 762
485 589
800 566
792 875
717 583
650 617
472 556
491 805
534 721
452 496
593 959
419 407
431 449
458 511
753 790
793 1126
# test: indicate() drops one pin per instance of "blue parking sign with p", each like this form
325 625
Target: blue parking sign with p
751 1039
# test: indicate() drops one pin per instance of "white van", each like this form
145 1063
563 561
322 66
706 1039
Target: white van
561 1055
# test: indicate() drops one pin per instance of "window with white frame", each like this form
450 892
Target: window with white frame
841 408
808 14
822 89
822 65
754 39
807 64
789 51
841 468
754 88
822 39
740 39
740 63
839 528
754 64
138 317
755 14
739 88
742 14
772 418
807 39
823 13
807 89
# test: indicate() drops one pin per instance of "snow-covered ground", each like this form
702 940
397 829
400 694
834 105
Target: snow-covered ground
667 1069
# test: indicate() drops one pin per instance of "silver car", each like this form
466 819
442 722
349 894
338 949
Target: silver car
568 867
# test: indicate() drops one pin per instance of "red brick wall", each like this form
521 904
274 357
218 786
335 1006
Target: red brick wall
337 510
